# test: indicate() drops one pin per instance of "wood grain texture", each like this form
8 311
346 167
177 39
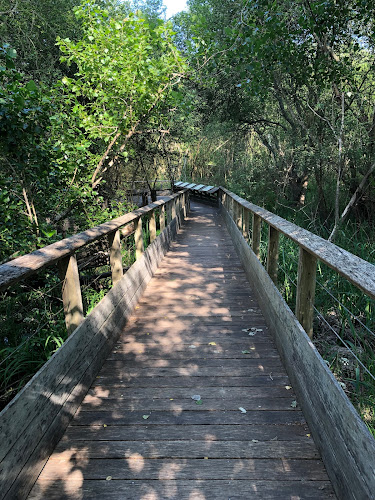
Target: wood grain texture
35 420
197 331
346 445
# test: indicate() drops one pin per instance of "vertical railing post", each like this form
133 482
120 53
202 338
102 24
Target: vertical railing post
152 226
71 292
162 218
138 239
245 226
255 243
169 211
115 256
306 290
173 203
184 205
239 216
273 253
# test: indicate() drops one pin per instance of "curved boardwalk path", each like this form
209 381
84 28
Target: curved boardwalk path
140 435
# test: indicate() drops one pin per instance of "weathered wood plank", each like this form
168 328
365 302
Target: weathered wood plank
181 393
278 417
175 404
253 381
195 489
198 468
182 449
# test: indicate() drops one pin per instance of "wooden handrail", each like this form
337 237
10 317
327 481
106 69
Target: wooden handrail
311 249
63 253
356 270
22 267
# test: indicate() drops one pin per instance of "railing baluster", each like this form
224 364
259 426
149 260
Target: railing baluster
152 226
273 253
239 216
138 238
71 292
255 244
306 290
245 226
115 256
162 218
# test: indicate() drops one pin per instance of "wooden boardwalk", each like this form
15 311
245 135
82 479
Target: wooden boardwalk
197 331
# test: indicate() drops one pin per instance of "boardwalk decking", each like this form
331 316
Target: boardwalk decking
139 434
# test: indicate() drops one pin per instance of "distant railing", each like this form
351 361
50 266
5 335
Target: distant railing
311 249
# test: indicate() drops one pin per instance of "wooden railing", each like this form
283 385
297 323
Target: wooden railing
63 253
311 249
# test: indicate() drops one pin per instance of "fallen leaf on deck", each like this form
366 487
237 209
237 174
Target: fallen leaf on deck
145 417
104 425
245 351
212 343
200 402
274 439
288 387
108 478
196 397
242 410
255 441
192 346
251 334
294 404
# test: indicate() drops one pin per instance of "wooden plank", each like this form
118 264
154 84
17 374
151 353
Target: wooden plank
356 270
268 380
346 445
204 417
183 449
195 489
180 393
198 468
193 432
187 404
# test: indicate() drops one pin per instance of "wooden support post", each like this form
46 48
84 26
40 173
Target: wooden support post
138 239
169 212
184 205
239 216
152 226
162 218
173 208
71 292
245 227
115 257
306 290
273 253
255 244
